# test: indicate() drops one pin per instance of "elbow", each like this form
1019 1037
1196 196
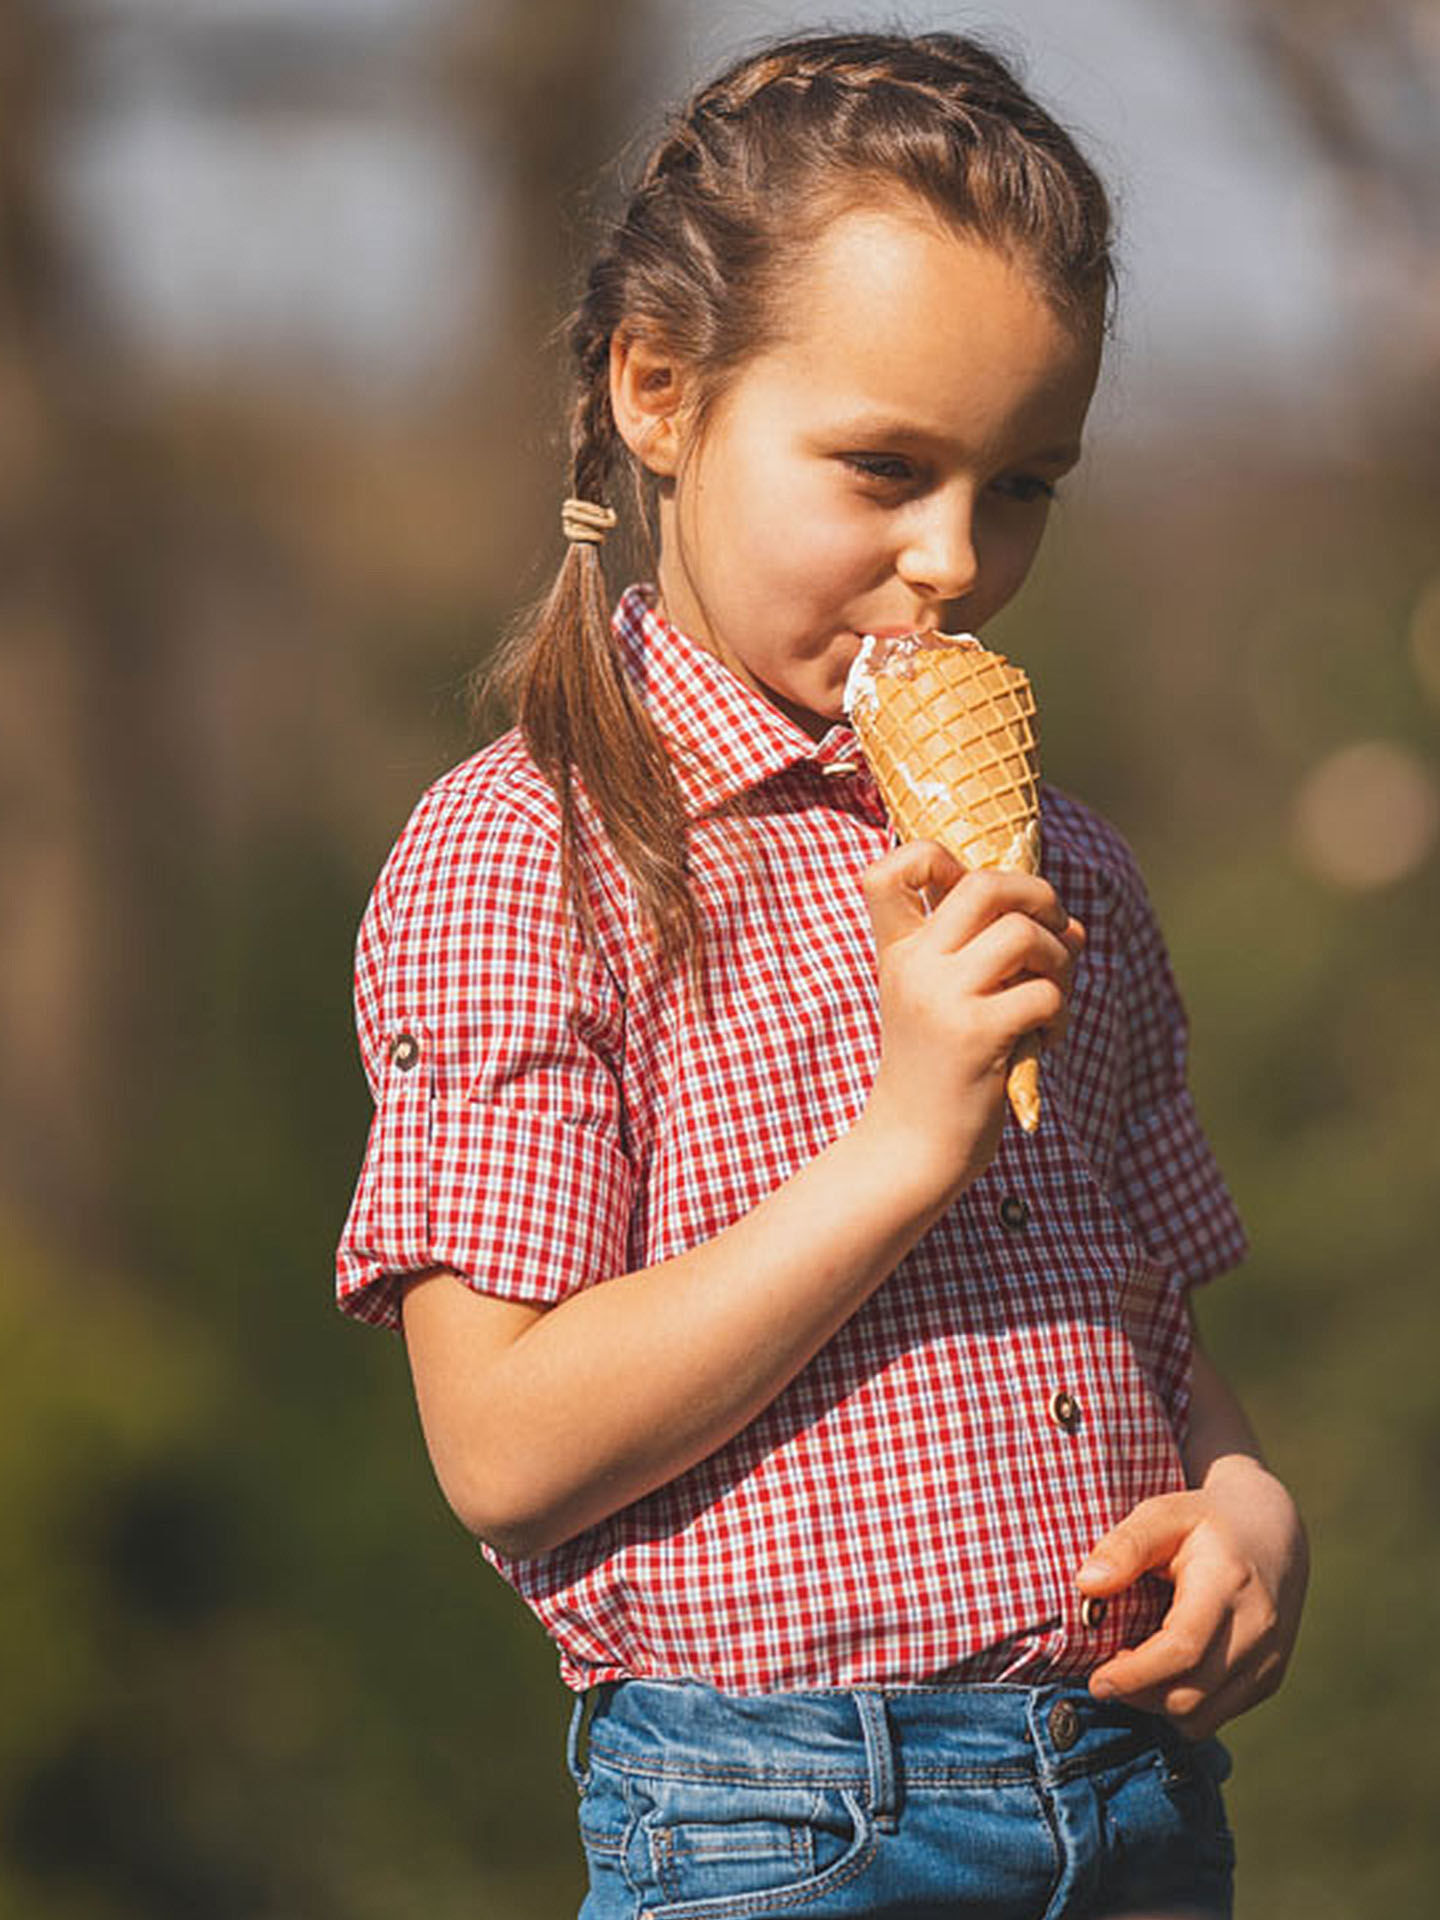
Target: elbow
522 1537
507 1519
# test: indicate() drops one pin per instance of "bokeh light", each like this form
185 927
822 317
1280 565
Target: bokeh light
1367 816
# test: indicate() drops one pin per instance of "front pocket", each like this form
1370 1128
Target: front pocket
740 1856
712 1850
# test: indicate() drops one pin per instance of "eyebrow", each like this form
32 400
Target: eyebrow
878 426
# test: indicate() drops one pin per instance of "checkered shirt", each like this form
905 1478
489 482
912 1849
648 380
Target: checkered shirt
916 1502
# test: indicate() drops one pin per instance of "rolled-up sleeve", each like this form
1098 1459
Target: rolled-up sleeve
493 1051
1167 1180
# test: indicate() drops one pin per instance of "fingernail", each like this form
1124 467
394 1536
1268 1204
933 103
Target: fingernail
1097 1567
1101 1690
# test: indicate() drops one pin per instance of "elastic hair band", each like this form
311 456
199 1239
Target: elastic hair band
585 523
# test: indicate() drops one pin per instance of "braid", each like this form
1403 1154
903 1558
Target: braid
582 717
703 257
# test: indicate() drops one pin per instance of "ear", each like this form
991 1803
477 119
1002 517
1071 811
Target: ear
647 397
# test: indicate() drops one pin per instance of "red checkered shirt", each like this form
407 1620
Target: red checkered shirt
917 1500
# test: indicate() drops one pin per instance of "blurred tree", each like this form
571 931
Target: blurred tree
546 91
1364 78
228 618
48 1140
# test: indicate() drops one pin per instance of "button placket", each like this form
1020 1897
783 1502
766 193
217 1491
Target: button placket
1065 1411
1014 1212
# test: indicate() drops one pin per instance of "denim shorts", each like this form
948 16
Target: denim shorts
1001 1802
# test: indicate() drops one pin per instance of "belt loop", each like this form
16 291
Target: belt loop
577 1740
880 1764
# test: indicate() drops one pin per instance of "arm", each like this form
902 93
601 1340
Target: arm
666 1364
1234 1549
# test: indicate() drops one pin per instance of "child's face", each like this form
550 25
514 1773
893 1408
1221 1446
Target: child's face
886 466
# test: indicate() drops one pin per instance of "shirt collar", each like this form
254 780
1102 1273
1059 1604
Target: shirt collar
723 737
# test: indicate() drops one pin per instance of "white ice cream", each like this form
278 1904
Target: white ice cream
896 656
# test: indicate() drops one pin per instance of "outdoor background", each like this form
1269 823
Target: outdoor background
277 462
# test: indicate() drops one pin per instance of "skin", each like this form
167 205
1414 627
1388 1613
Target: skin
887 465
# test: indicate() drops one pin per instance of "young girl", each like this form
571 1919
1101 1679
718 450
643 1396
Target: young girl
854 1447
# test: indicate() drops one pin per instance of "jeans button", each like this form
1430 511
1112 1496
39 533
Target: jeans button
1064 1724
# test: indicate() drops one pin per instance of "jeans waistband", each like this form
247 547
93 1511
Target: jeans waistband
870 1738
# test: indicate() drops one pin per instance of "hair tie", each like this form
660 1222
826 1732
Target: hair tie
585 523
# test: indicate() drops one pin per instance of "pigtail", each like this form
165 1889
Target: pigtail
581 716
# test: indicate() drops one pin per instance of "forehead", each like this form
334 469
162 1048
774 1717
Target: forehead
891 310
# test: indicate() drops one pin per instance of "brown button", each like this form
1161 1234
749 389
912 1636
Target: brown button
1013 1212
1064 1724
1065 1411
1093 1609
404 1052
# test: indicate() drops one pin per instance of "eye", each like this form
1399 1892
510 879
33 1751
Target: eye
886 469
1025 487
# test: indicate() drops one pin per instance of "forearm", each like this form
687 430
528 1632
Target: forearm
1218 1428
586 1407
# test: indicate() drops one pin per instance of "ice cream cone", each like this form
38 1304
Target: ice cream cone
949 731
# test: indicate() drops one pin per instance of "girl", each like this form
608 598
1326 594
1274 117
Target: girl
905 1547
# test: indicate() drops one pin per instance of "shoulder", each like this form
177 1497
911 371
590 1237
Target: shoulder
489 819
479 852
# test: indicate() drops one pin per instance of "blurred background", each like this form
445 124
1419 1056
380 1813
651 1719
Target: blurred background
279 412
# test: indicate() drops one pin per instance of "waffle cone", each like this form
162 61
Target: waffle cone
949 731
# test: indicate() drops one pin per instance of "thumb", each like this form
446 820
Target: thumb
1149 1537
901 888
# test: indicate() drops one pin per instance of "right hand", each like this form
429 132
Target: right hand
991 959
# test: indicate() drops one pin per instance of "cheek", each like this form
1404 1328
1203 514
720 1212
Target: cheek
814 545
1011 553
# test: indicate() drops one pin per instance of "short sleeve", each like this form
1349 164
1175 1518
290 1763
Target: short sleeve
1167 1182
492 1048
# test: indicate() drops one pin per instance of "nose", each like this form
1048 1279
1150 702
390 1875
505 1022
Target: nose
938 560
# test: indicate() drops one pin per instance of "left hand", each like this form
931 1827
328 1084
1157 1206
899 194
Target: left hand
1234 1550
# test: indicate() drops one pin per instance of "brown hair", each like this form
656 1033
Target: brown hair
748 172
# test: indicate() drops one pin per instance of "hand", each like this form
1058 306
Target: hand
968 962
1234 1549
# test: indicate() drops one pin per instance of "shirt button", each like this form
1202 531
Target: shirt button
1065 1411
1013 1212
404 1052
1093 1609
1064 1724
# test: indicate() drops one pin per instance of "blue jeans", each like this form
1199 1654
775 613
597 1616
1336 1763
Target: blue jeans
1011 1803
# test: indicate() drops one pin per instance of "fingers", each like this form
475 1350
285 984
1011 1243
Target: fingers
919 885
1178 1666
1147 1538
1013 948
988 895
1199 1681
1222 1646
896 888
